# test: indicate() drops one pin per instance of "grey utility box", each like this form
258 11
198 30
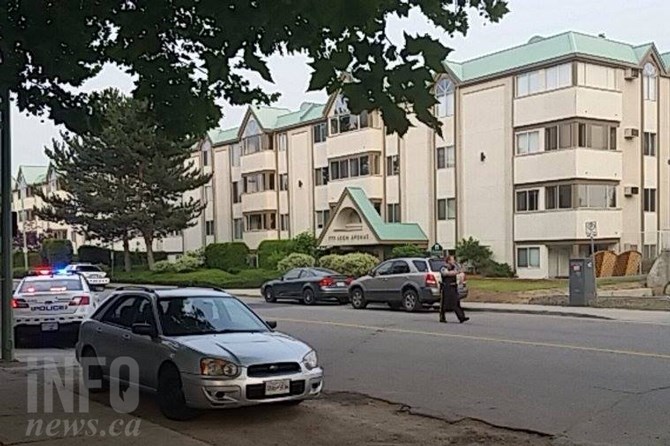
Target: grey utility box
582 282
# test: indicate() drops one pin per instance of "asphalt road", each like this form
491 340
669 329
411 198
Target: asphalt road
588 381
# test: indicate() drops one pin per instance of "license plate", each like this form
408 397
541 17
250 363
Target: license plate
49 326
340 283
278 387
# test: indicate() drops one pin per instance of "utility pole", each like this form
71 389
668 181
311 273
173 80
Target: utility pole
6 323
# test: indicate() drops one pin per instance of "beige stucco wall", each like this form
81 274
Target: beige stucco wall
223 195
300 172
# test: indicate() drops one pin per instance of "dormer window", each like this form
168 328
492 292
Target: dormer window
444 93
649 82
344 121
253 139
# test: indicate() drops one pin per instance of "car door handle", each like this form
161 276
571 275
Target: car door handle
126 337
98 330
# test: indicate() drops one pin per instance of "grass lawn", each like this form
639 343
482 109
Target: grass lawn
251 278
514 285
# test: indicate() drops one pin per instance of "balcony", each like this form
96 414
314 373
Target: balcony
354 142
567 103
567 164
259 201
566 225
258 161
372 185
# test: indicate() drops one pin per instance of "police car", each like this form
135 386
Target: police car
51 302
96 277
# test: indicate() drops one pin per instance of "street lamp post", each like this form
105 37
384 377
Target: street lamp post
6 341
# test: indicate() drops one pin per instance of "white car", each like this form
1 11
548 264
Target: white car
96 277
57 302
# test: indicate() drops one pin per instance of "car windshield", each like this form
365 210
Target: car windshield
88 269
50 285
182 316
322 271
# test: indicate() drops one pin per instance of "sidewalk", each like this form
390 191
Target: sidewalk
638 316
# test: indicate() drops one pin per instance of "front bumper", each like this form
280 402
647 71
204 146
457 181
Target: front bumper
215 393
98 281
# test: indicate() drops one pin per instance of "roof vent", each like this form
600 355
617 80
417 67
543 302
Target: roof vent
602 36
535 39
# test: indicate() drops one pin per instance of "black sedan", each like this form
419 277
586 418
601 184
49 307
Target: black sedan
308 285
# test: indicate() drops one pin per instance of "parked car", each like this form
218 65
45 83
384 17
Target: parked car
197 348
51 302
309 286
409 283
96 277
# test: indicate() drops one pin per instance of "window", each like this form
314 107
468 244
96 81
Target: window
528 257
400 267
122 312
235 154
293 274
393 213
322 218
441 157
451 157
209 194
649 252
451 209
527 142
527 200
209 228
441 209
551 138
597 196
320 132
283 222
649 144
259 182
205 158
392 165
263 221
283 181
420 265
544 80
650 200
558 197
358 166
596 136
378 207
237 192
444 93
238 228
565 136
649 82
321 176
344 121
384 269
282 142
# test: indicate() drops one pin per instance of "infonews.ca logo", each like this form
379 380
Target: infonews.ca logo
58 396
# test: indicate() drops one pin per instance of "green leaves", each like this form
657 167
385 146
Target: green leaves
253 62
433 52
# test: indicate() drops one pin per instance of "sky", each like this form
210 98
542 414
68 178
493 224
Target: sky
630 21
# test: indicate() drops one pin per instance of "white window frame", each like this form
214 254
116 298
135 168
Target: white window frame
209 228
238 228
523 142
451 209
321 218
284 222
445 96
650 144
650 81
529 262
282 142
393 213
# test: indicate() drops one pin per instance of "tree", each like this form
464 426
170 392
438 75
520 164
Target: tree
471 251
304 243
185 55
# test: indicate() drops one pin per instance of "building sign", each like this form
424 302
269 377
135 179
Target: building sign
347 238
591 229
436 249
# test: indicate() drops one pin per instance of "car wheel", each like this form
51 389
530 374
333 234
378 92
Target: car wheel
358 299
93 372
308 297
410 300
269 295
171 398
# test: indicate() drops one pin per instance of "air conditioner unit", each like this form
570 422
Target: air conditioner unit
632 73
631 132
629 191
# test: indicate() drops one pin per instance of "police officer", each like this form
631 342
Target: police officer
450 300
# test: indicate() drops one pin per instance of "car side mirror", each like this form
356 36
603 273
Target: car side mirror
271 324
144 329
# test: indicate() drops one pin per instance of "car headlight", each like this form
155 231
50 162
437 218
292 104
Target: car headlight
310 361
218 367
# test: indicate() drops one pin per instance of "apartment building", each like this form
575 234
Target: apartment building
538 140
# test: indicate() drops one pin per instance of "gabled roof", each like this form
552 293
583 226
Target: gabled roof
267 116
544 49
666 60
308 112
221 136
33 174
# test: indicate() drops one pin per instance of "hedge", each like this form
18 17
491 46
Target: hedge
98 255
408 251
356 264
34 259
230 257
295 260
57 252
250 278
270 252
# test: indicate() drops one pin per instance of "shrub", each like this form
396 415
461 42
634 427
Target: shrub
332 261
94 254
226 256
270 252
295 260
19 273
357 264
164 266
495 269
186 264
304 243
472 252
408 251
57 252
34 259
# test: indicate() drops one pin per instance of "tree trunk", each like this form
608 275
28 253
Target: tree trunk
127 265
149 241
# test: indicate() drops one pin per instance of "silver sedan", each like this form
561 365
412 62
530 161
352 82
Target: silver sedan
196 348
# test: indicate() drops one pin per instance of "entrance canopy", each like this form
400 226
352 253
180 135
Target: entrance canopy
355 222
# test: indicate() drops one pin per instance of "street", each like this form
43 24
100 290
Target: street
578 379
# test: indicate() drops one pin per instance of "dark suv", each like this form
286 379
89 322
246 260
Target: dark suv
409 283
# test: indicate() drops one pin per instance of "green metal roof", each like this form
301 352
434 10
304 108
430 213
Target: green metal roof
385 231
543 49
221 136
33 174
267 116
308 112
666 60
